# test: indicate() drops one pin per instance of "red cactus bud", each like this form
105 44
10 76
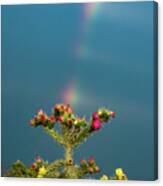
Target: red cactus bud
62 107
70 121
112 114
69 109
91 170
36 118
95 116
97 169
91 160
33 165
82 161
60 119
52 119
43 118
57 107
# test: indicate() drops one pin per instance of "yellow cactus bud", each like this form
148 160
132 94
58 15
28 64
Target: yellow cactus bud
100 112
119 173
42 171
76 122
104 177
32 122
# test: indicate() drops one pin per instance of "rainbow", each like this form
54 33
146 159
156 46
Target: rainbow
91 11
71 94
90 14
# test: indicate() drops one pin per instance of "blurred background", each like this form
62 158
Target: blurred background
89 55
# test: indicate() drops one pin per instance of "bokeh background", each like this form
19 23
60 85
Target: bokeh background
89 55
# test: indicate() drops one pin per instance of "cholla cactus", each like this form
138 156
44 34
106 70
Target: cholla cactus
74 131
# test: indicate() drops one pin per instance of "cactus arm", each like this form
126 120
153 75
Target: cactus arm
54 134
83 135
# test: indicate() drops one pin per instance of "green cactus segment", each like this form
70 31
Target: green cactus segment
54 134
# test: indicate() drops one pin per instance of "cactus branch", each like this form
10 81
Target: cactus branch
54 134
73 132
83 135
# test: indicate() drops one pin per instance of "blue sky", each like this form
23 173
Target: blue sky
39 60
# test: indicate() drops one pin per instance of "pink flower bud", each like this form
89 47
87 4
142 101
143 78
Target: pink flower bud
95 116
38 159
112 114
96 124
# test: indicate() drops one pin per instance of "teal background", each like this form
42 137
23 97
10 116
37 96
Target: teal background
39 60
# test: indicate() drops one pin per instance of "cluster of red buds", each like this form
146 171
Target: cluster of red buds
42 119
90 166
37 163
39 167
102 116
64 114
61 109
61 113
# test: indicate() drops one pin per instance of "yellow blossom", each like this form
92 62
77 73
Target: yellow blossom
42 171
120 174
100 112
104 177
76 122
